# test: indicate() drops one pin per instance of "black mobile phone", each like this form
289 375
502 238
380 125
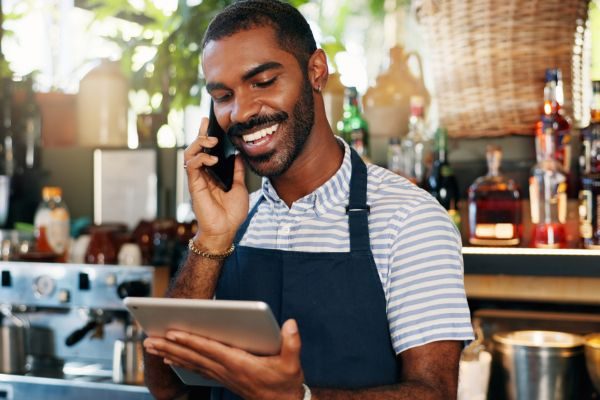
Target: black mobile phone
222 171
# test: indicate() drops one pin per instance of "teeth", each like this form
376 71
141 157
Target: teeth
251 137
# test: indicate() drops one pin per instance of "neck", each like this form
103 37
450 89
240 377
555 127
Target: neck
319 160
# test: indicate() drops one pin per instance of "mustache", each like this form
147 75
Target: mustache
240 128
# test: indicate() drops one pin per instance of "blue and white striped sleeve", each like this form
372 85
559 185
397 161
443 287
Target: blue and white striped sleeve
426 296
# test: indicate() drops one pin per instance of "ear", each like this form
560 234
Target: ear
318 72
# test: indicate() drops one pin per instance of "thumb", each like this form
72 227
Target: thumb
290 343
238 171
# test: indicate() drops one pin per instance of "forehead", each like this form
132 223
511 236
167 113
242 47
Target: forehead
236 54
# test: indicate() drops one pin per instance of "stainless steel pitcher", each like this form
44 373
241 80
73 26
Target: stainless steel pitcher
13 343
541 365
128 363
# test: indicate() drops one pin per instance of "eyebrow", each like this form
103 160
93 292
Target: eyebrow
210 86
261 68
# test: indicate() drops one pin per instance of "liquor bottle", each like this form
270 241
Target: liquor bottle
589 221
32 127
494 206
553 114
415 147
51 223
353 127
394 156
7 144
442 183
589 196
591 135
548 194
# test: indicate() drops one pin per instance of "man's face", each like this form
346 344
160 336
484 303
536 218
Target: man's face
262 99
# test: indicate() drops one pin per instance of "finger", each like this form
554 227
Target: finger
200 142
239 171
216 351
203 130
184 355
290 344
200 160
178 362
194 168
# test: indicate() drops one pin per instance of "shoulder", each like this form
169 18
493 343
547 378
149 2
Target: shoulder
395 194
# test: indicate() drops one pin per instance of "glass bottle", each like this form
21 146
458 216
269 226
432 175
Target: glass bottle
415 147
441 182
553 114
102 248
548 194
394 155
494 206
353 127
32 125
589 196
51 223
7 145
589 221
591 135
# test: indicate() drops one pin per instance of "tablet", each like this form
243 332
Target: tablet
247 325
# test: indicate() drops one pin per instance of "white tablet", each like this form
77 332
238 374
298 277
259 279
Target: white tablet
247 325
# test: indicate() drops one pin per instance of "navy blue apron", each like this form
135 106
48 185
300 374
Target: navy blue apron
336 298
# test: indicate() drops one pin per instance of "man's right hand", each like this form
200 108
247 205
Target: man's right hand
219 214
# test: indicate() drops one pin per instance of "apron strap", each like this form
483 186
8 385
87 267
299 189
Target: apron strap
357 209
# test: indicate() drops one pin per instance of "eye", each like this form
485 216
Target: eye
220 98
264 84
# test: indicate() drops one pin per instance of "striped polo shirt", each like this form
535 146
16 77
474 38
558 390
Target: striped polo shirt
416 248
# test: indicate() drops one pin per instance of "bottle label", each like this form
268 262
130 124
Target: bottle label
496 231
561 193
534 200
446 171
57 230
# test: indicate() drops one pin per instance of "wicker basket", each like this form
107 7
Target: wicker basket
489 58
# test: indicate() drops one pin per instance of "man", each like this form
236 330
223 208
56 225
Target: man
362 269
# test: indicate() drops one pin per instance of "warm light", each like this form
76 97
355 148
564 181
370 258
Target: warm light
547 108
529 251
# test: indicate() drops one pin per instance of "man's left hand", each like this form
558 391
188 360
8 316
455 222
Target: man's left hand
251 377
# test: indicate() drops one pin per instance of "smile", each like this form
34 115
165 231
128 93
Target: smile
254 136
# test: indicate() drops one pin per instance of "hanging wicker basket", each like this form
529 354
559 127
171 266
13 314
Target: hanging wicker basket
489 57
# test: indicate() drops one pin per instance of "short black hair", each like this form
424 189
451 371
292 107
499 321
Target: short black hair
291 29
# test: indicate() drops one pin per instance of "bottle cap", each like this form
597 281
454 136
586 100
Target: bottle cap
49 192
553 74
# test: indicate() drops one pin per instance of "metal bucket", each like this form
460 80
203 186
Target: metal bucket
12 349
541 365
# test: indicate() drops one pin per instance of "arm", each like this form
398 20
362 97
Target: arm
196 279
429 372
219 215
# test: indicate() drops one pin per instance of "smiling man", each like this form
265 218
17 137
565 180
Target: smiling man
362 268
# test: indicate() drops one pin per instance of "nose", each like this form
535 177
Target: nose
244 108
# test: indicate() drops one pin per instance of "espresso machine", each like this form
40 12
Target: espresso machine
72 318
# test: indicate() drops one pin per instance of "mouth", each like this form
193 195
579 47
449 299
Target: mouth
261 136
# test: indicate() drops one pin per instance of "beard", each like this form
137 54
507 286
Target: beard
277 161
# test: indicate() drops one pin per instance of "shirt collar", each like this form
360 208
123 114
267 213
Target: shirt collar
332 193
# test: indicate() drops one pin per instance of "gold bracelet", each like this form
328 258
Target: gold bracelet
211 256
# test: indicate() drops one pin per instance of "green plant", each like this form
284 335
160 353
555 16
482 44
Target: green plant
174 69
5 70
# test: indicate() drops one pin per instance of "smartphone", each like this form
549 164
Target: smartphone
222 171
